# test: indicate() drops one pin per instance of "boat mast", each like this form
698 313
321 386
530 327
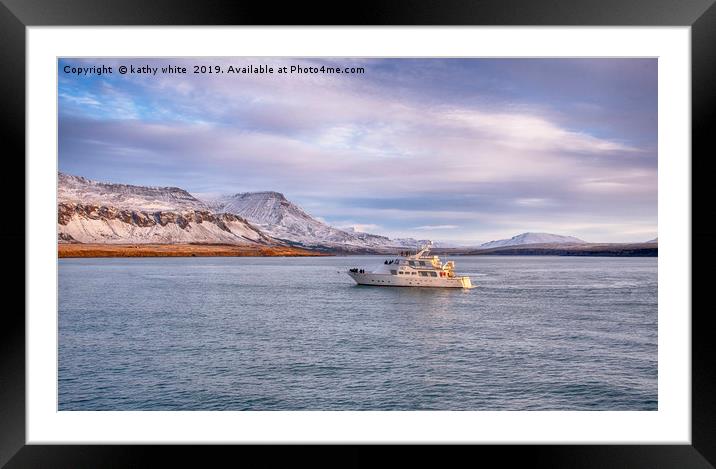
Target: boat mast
424 248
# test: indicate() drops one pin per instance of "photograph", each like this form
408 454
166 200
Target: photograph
357 233
416 224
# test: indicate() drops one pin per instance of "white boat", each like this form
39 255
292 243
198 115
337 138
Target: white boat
412 270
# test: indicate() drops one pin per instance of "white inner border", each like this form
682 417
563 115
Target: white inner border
670 424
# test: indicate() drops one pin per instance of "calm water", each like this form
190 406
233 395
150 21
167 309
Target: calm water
538 333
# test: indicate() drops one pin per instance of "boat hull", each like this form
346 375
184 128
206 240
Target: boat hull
386 280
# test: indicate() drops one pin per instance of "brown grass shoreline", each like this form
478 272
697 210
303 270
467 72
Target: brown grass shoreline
179 250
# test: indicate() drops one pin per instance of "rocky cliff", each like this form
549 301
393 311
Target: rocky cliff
89 223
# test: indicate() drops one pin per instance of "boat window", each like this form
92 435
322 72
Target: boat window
433 274
394 272
422 262
424 274
414 273
411 263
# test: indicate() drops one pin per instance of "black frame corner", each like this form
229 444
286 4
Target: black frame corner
700 15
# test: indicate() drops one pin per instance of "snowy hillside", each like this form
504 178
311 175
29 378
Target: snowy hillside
532 238
96 212
102 224
279 218
76 189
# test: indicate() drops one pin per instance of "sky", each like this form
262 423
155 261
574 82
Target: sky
459 150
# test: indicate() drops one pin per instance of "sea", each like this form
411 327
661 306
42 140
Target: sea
273 333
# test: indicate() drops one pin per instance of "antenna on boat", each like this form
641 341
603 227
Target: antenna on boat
424 248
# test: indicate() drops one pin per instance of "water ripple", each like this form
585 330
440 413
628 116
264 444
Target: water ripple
293 334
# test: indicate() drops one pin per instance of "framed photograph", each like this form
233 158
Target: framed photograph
425 226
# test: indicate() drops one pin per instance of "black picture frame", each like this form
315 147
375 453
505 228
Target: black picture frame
700 15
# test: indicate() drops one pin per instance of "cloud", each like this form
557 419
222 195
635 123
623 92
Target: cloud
472 145
436 227
530 132
533 202
358 227
81 100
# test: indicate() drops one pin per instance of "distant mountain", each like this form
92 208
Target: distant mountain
280 218
655 240
571 249
413 243
532 238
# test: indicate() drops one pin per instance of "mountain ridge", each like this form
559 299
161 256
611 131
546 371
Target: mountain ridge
532 238
98 212
86 223
280 218
78 189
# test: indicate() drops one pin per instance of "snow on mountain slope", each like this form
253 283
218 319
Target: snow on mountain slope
282 219
101 224
76 189
97 212
532 238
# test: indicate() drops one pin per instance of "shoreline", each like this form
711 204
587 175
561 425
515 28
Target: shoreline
97 250
71 250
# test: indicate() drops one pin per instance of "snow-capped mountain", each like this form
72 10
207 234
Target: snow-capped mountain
95 212
532 238
280 218
85 223
98 212
76 189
